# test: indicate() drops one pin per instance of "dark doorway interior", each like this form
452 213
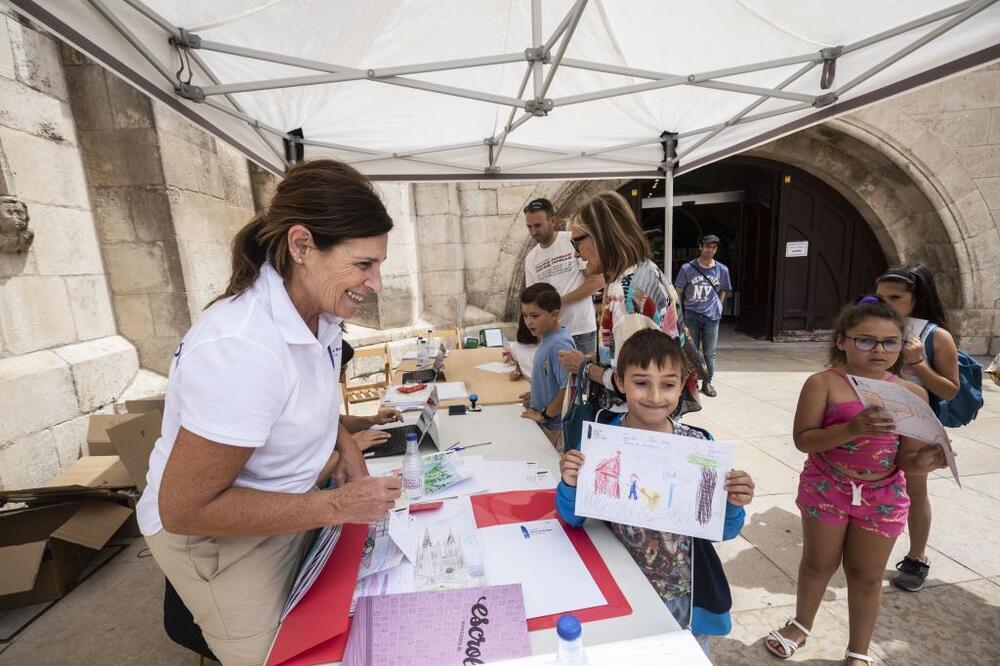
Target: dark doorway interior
796 249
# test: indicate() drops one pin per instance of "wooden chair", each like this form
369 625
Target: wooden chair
369 390
454 333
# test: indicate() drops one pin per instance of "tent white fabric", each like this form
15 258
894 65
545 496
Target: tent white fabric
524 89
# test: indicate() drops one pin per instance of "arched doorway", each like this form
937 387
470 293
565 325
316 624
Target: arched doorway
797 250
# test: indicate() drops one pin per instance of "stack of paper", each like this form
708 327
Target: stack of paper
445 475
441 628
497 367
395 398
312 565
451 390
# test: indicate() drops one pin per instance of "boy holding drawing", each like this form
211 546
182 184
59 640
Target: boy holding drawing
685 571
540 305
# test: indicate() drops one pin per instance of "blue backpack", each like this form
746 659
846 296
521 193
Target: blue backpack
964 407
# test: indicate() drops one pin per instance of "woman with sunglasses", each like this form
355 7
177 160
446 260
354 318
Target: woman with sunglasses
852 492
637 295
930 358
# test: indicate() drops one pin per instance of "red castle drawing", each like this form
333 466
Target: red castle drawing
606 476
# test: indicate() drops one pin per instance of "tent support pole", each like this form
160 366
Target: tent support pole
669 142
123 30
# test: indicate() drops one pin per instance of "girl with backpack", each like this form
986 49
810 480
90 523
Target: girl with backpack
930 357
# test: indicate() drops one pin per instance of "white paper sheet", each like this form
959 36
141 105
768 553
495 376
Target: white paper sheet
504 475
654 480
496 367
677 648
389 541
449 554
914 417
312 565
451 390
914 326
540 557
494 337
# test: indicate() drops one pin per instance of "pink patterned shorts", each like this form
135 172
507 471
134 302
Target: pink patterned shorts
833 498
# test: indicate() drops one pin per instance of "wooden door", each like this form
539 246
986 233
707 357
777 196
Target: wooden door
757 270
843 259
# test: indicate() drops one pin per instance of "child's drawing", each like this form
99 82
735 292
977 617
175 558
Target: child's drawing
607 476
652 480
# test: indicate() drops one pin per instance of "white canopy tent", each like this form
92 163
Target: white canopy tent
520 89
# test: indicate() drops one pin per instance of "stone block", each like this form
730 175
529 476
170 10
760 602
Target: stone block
170 122
972 90
443 283
490 228
36 113
480 257
190 168
444 257
980 161
448 308
6 53
433 199
16 265
994 137
45 171
36 391
111 214
958 128
478 202
91 305
954 179
122 157
156 353
990 189
70 439
37 60
29 461
924 100
202 217
395 309
88 97
35 314
101 368
973 216
236 187
977 345
401 259
439 229
149 210
512 200
135 318
171 317
65 241
206 269
137 268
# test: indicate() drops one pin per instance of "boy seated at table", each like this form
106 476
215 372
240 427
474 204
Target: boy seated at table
540 305
685 571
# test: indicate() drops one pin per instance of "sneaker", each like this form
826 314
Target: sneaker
912 574
708 389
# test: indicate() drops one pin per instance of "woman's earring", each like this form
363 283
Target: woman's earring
298 259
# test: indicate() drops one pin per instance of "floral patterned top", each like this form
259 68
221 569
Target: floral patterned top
664 558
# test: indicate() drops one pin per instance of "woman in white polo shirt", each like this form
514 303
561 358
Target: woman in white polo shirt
251 423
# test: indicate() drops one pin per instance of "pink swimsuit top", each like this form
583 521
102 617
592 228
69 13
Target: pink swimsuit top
874 455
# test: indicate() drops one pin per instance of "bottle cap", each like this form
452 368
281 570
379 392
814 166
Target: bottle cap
411 437
568 628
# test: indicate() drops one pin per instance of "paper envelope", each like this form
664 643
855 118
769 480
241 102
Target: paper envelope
527 505
316 630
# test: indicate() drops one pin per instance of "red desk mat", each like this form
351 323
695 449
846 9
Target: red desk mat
527 505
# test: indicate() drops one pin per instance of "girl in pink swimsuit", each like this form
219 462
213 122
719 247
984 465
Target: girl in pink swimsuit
852 492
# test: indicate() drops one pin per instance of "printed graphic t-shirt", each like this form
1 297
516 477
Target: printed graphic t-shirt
701 294
557 264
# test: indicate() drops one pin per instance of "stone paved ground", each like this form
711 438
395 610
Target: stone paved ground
115 616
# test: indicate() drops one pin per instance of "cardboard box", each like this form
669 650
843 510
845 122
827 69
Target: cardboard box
94 472
133 442
44 548
98 442
155 404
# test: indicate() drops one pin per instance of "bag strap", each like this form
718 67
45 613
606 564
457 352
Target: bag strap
927 337
712 281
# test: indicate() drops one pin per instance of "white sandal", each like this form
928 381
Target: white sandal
788 645
862 657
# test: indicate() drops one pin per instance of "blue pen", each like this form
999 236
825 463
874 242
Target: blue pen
456 447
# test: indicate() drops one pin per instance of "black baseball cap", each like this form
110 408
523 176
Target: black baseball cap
542 203
710 238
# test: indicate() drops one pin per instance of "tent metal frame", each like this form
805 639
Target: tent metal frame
543 58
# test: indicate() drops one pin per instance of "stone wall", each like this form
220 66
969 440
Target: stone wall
60 357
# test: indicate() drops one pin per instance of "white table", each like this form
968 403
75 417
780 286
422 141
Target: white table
515 438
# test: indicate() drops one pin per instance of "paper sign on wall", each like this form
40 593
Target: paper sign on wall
797 249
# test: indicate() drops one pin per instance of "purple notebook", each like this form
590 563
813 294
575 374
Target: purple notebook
440 628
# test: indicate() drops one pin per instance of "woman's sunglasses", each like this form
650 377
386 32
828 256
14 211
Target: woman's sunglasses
576 240
867 344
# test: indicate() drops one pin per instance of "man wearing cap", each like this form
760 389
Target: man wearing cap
554 261
703 284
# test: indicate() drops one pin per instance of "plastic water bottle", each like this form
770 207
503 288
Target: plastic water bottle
421 352
570 650
413 469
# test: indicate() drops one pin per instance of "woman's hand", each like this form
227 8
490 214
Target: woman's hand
930 458
365 500
739 487
571 359
515 374
386 415
533 415
351 464
871 421
913 351
366 439
569 467
525 399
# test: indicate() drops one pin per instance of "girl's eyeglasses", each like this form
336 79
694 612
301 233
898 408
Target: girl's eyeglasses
867 344
576 240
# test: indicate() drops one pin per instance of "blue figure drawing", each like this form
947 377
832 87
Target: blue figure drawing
632 490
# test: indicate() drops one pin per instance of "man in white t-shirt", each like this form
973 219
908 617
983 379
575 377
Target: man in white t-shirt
554 261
